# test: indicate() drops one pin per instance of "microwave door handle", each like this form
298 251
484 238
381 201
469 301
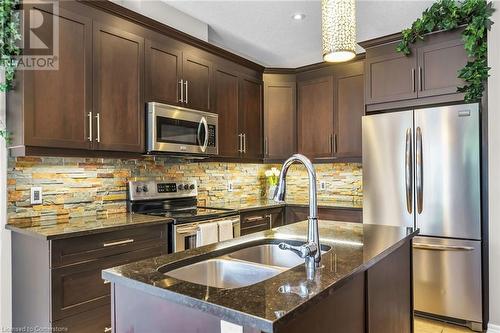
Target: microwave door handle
203 122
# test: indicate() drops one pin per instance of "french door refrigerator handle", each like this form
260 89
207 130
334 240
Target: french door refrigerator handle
409 171
419 172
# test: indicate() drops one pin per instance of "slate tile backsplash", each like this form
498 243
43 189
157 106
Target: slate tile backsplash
74 187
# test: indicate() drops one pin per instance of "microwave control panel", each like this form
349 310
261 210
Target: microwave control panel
211 136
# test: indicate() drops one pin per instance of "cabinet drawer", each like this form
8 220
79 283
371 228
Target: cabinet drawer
78 288
80 249
255 221
97 320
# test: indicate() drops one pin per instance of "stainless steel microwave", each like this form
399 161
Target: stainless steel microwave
175 129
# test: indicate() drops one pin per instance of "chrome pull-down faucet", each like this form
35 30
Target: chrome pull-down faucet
310 251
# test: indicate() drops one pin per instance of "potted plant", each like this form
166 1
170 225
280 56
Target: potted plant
272 176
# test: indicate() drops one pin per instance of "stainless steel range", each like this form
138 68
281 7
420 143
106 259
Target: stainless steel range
179 201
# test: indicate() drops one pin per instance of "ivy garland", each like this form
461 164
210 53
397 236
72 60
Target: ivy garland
447 15
9 36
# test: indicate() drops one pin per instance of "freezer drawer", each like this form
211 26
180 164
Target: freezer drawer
447 277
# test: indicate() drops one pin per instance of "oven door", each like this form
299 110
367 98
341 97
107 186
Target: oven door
174 129
184 235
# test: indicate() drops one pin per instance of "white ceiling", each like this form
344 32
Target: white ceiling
263 31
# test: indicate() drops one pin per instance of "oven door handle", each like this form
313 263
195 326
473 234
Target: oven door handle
187 230
203 122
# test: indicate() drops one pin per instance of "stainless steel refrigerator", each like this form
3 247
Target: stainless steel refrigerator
421 168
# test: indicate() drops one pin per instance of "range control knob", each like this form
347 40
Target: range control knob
138 189
180 187
186 187
191 187
145 188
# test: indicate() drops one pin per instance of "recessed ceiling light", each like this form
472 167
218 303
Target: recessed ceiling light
299 16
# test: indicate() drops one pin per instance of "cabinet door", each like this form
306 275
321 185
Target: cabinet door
196 73
315 117
349 108
279 119
226 96
438 68
163 73
390 77
58 101
251 117
118 100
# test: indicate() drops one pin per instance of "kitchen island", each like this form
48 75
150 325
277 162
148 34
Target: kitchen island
363 285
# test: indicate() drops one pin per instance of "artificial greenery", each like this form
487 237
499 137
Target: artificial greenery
5 134
447 15
9 36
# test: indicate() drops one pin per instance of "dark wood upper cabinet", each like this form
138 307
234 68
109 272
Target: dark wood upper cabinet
348 112
118 89
163 73
196 75
315 117
279 116
438 67
251 117
56 102
226 105
390 77
427 76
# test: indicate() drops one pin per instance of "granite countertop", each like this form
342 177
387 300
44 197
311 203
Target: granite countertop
80 226
355 247
243 206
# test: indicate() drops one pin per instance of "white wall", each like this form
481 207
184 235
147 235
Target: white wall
5 255
168 15
494 170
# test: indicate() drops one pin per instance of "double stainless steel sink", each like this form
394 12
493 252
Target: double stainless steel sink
240 268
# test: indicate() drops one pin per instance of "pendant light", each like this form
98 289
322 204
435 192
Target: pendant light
338 23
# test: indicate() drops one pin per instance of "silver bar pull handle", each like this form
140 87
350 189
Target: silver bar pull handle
125 241
240 143
98 124
331 144
181 93
186 84
436 247
270 217
107 281
266 148
334 143
244 143
419 179
409 171
254 218
108 329
90 137
420 78
413 79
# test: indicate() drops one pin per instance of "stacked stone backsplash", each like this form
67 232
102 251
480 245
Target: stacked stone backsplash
75 187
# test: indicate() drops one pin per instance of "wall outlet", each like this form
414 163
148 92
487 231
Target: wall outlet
322 185
230 186
36 196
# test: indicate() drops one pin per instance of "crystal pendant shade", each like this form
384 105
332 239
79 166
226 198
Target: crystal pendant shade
338 23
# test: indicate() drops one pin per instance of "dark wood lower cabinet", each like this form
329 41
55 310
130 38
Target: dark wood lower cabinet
263 219
300 213
58 283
